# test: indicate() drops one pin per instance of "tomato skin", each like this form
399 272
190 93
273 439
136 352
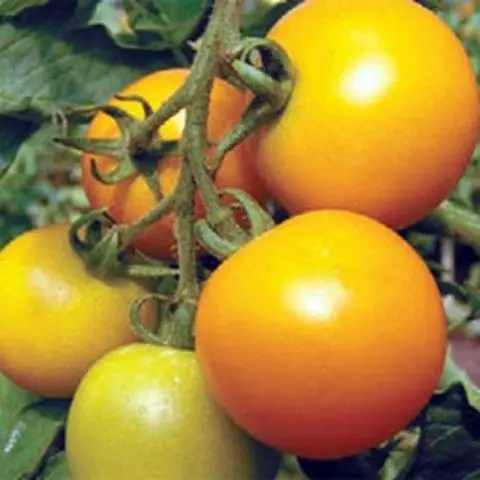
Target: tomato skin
57 318
131 198
143 411
324 336
377 123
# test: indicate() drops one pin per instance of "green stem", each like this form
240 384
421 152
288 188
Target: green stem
456 221
188 289
230 34
196 93
139 142
224 19
129 232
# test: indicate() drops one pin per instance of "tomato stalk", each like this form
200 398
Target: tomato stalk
188 288
453 220
256 64
104 255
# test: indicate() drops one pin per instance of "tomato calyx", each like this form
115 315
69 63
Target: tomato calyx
258 220
174 319
263 67
136 151
102 246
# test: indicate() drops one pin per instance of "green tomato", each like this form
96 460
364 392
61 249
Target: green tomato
144 412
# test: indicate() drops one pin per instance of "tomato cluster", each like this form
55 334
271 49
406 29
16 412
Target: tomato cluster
130 199
321 338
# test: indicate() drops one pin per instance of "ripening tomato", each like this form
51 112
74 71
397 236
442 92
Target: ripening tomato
143 412
132 198
57 318
324 336
380 121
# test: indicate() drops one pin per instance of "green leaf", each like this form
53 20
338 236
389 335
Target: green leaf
34 431
152 24
37 154
14 7
12 134
46 68
12 400
450 442
43 63
401 454
56 468
454 376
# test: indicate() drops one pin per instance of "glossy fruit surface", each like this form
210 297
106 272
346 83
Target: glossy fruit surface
324 336
57 318
378 122
132 198
143 412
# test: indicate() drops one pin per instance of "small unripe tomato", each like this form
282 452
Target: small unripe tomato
144 412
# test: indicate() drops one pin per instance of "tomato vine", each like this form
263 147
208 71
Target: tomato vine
221 52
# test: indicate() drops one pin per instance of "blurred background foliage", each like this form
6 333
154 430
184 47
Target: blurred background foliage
57 56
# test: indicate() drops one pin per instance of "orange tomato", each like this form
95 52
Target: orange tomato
323 337
131 198
381 121
57 318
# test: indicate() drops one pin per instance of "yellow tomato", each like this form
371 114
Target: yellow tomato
384 114
57 318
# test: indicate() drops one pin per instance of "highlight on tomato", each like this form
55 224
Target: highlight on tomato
130 199
323 337
378 122
144 412
57 317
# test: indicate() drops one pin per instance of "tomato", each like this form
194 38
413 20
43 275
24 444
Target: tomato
324 336
144 411
57 318
131 198
380 121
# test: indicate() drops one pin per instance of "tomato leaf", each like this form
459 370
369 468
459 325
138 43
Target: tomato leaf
40 65
454 376
45 68
35 429
12 400
37 152
14 7
12 133
450 441
401 455
29 191
56 468
153 24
